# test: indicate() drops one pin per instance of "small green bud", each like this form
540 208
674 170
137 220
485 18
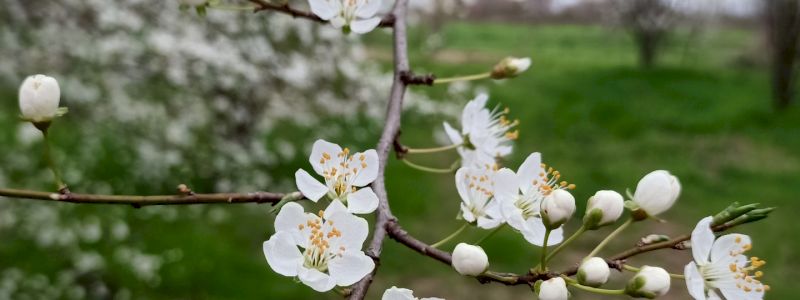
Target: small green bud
732 212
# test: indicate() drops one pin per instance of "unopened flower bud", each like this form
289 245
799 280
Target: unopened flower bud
557 208
604 208
510 67
470 260
553 289
39 96
593 272
649 282
657 192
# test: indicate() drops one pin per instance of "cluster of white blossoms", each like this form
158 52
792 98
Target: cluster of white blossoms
350 15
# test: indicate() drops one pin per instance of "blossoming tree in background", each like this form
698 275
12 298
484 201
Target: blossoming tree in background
325 248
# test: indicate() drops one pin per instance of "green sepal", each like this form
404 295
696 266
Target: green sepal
591 220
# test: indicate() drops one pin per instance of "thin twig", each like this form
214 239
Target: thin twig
137 200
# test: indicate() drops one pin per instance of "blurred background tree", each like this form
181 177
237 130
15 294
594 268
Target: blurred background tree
782 18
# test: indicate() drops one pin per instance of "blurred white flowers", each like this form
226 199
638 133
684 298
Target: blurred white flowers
520 206
344 174
593 272
485 135
356 15
470 260
657 192
720 266
553 289
395 293
39 96
331 243
477 186
604 208
649 282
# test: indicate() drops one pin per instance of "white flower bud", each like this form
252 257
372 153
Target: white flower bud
38 98
470 260
593 272
657 192
557 208
510 67
649 283
553 289
604 208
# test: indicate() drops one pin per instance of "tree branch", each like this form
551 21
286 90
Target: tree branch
263 5
138 201
385 144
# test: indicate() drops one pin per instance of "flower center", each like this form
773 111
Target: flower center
746 277
548 181
322 236
339 177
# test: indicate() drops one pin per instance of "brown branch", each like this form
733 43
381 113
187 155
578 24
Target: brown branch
182 198
263 5
409 78
385 144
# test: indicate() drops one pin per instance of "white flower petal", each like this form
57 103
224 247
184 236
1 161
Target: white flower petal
338 22
282 254
366 175
322 147
505 185
453 134
363 201
364 26
289 218
368 8
467 214
317 280
694 282
310 187
535 230
395 293
529 171
726 244
350 267
325 9
712 295
702 240
461 185
334 207
354 230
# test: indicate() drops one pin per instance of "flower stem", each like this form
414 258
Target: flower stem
595 290
635 269
429 169
50 162
433 150
543 261
566 242
463 78
451 236
610 237
478 242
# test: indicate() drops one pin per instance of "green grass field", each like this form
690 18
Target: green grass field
593 114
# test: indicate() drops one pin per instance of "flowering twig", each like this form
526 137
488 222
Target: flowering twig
138 201
263 5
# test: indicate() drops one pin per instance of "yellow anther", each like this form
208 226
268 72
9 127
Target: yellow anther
732 267
571 186
758 274
738 239
766 287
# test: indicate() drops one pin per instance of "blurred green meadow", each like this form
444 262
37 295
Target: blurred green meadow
703 113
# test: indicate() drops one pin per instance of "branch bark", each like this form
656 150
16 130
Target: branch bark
138 201
390 130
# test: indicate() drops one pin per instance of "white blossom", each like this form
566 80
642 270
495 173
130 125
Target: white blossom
356 15
395 293
521 205
331 243
553 289
720 268
657 192
604 208
39 96
477 186
593 272
470 260
510 67
649 282
346 177
557 208
485 135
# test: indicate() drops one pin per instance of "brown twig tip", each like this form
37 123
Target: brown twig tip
184 190
399 150
409 78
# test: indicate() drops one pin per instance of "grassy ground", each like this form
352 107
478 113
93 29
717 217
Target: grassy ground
593 114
